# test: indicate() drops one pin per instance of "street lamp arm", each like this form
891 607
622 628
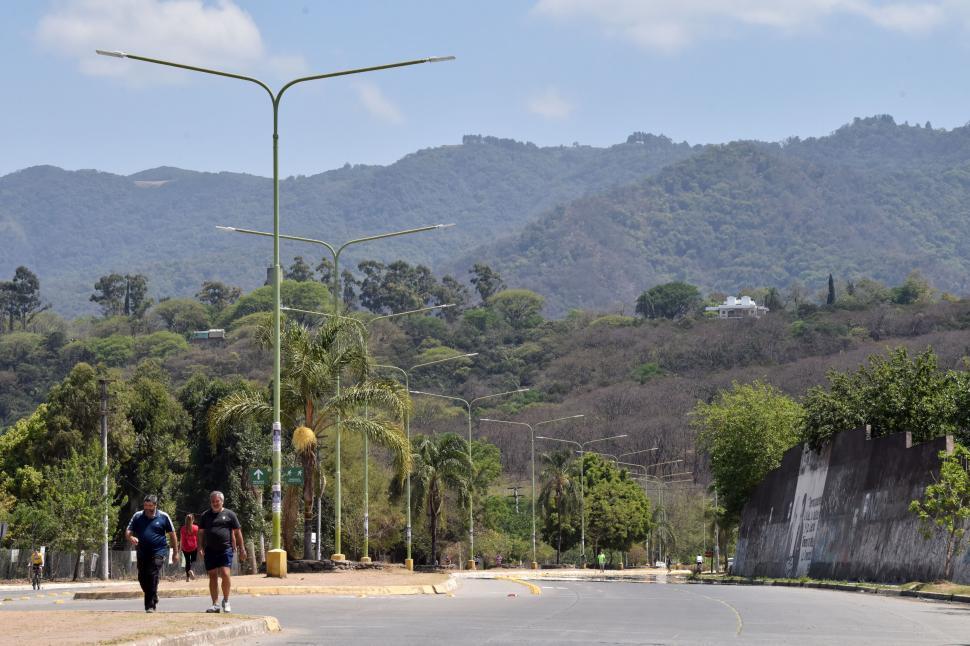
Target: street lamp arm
191 68
507 392
359 70
437 361
602 439
559 439
559 419
417 311
381 236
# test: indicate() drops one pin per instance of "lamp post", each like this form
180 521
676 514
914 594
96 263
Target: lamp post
335 251
276 561
532 434
582 481
409 562
471 474
661 482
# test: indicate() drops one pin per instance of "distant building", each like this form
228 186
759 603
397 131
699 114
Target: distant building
738 308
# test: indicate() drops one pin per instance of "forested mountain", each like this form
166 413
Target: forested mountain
586 227
873 199
72 227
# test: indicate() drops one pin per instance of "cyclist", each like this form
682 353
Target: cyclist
36 569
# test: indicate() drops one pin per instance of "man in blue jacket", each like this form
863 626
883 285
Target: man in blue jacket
146 531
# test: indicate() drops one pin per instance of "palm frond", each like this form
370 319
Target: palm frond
385 434
238 407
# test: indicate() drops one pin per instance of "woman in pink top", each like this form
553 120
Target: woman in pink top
189 539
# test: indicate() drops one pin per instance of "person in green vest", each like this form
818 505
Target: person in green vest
601 559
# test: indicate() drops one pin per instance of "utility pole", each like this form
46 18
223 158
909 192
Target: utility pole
515 495
717 534
103 385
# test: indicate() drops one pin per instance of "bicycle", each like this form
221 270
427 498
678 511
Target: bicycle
36 576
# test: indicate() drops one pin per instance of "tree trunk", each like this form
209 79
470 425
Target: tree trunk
948 566
559 538
308 469
252 564
291 507
77 565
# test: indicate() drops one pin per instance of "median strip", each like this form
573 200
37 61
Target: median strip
532 586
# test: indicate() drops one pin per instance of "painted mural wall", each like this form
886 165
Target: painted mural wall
843 513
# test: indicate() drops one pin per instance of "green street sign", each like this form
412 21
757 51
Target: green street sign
293 476
259 477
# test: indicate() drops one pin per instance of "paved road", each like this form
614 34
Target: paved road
481 612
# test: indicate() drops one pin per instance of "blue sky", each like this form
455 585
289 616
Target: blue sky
548 71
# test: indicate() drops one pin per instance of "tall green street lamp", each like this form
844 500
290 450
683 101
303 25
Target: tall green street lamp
532 434
471 474
582 481
408 561
276 561
661 482
616 458
335 251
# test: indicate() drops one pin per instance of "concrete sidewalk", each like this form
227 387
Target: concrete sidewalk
349 583
69 627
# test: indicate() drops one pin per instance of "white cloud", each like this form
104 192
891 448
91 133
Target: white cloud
220 35
671 25
377 104
550 104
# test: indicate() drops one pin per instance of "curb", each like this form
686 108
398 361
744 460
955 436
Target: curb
533 588
269 591
229 632
846 587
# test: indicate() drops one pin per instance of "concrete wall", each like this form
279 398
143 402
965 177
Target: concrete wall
843 513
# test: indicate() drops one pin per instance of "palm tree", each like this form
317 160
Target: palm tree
312 361
558 492
440 463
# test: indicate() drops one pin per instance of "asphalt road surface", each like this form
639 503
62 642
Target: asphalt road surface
483 612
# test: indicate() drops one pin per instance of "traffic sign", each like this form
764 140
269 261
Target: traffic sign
293 476
259 477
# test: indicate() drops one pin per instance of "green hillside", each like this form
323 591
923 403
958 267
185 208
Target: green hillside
72 227
873 199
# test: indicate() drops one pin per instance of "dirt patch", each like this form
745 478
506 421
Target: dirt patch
95 627
344 578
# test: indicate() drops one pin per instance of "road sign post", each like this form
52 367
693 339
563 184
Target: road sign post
293 476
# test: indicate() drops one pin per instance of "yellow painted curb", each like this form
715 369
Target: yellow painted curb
533 588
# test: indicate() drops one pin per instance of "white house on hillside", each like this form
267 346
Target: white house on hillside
738 308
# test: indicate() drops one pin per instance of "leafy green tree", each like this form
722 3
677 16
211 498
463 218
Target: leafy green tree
218 295
440 466
892 393
915 289
304 296
486 280
452 292
745 430
559 498
110 294
300 271
136 295
830 298
325 269
945 506
520 307
181 315
670 301
617 509
20 299
72 505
